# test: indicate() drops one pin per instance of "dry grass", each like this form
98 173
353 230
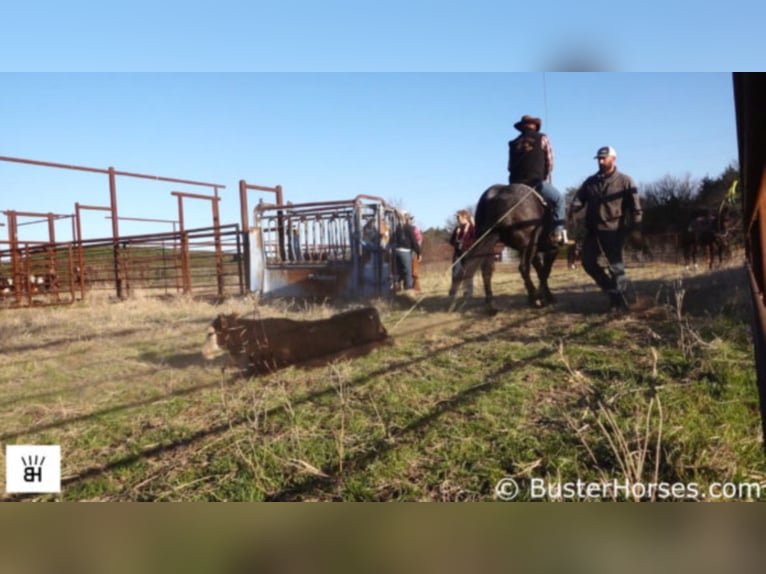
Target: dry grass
457 402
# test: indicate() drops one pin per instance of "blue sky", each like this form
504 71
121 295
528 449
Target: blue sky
375 35
286 92
432 142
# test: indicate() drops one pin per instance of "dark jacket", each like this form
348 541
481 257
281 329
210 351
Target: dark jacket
527 159
611 202
461 239
404 238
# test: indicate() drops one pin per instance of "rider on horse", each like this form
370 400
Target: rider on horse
530 162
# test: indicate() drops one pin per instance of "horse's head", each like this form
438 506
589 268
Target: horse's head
378 237
385 235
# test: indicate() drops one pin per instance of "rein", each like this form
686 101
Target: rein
462 255
492 227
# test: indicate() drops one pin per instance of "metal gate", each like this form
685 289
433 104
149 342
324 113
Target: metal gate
323 249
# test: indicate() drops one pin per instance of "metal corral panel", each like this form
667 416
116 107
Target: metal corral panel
749 98
322 250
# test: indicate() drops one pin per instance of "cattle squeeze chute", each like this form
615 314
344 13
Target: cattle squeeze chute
322 249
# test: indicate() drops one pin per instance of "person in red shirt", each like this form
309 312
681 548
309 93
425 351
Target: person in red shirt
461 240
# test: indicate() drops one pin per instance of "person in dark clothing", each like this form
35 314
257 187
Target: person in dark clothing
406 246
463 236
612 208
530 161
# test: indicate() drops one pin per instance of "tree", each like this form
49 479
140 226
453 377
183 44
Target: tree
667 203
713 192
436 244
670 203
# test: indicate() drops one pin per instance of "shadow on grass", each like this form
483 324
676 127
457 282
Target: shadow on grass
219 428
178 361
706 293
397 437
80 338
506 329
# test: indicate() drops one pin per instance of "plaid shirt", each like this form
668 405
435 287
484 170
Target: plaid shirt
545 143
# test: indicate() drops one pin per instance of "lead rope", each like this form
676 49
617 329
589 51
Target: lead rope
462 256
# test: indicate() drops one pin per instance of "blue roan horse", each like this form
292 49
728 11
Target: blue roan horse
515 216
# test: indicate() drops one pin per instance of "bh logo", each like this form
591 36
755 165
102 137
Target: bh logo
33 468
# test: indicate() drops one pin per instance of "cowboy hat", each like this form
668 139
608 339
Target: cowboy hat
525 119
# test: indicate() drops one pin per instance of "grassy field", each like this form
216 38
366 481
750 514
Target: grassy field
455 403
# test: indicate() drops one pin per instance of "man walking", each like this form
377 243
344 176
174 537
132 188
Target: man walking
612 207
530 161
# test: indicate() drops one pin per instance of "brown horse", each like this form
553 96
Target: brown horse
515 216
707 233
574 254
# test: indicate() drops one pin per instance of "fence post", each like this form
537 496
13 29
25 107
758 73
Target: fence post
115 231
245 230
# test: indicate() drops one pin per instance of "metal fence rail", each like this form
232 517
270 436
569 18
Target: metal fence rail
206 261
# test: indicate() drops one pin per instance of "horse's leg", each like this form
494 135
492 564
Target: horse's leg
527 259
721 244
694 252
570 257
538 264
543 269
691 257
487 269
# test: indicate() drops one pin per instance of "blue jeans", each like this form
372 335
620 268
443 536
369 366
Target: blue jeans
404 266
612 279
554 199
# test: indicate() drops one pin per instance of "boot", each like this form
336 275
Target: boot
617 303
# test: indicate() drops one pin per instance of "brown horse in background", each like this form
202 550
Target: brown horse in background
707 233
574 254
515 216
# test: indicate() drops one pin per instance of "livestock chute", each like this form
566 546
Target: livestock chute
749 98
322 249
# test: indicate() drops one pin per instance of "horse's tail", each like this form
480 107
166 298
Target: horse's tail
482 216
487 216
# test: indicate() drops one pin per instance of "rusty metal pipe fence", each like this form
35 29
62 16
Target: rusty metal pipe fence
199 262
206 261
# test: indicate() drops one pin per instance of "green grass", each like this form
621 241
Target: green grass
455 403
